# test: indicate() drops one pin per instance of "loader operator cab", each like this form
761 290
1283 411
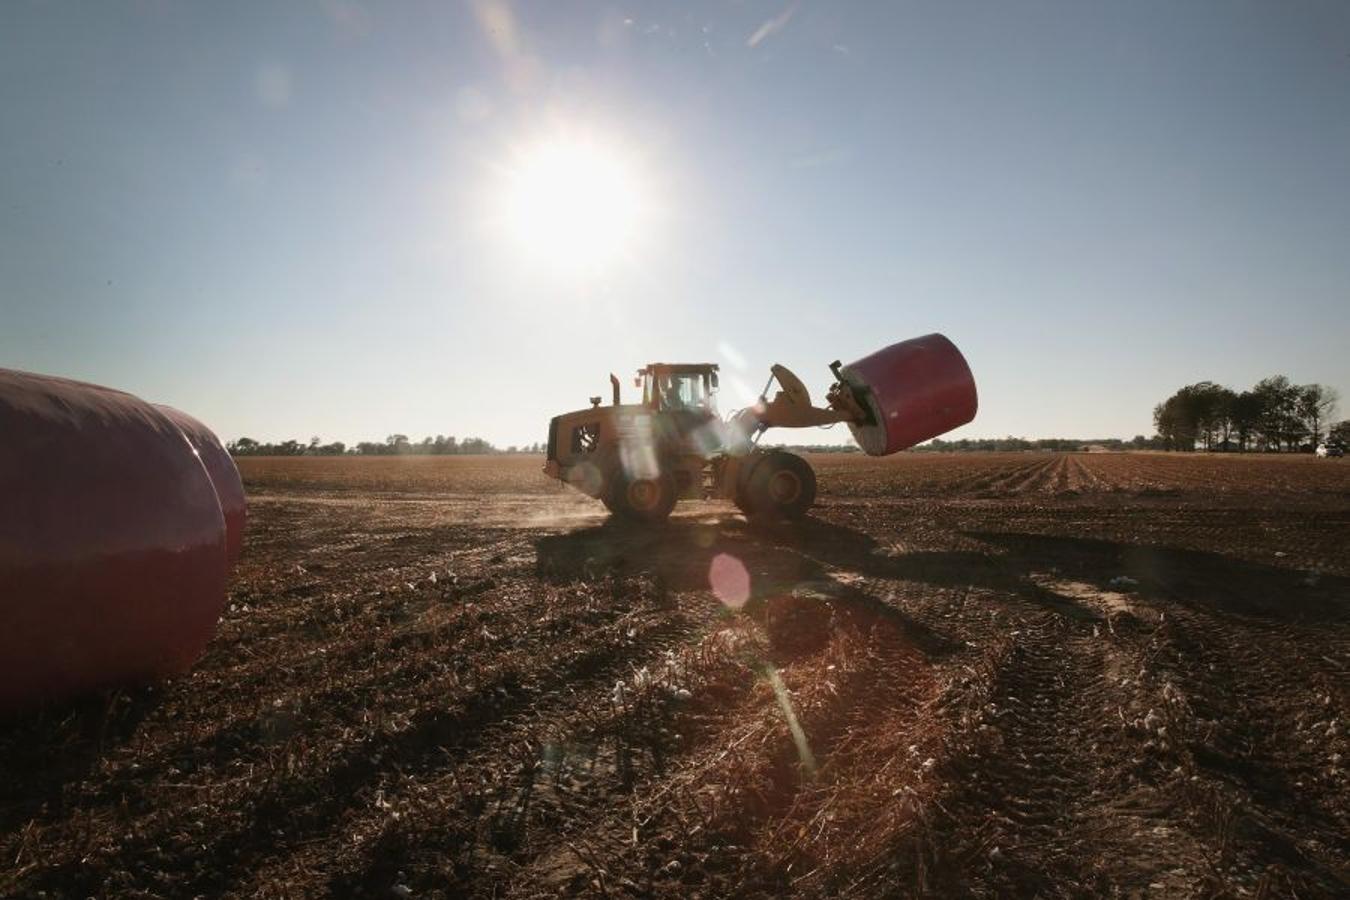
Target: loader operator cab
670 387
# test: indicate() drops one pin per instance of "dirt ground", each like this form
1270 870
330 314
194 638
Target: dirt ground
980 675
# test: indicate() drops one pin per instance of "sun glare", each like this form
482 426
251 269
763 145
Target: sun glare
572 204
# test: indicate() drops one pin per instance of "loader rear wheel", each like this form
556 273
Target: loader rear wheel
641 499
780 486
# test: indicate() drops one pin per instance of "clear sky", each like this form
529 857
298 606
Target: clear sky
351 219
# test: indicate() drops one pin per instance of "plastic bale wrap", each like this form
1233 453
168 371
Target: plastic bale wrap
224 477
915 391
113 560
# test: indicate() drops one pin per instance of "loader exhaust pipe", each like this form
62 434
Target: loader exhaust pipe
614 384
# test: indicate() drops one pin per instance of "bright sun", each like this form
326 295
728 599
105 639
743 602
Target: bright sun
572 204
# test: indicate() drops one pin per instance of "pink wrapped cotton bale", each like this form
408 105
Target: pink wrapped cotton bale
112 541
224 476
915 390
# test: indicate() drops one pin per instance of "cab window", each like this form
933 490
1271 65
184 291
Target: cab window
682 391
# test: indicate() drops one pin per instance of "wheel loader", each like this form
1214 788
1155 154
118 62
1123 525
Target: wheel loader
640 458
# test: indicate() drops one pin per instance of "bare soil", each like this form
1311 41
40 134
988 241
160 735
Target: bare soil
978 675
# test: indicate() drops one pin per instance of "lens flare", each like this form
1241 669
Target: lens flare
780 692
729 580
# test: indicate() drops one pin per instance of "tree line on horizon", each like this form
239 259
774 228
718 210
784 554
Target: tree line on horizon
1061 445
1276 415
393 445
400 445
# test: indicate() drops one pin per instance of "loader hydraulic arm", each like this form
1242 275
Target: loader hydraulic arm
791 407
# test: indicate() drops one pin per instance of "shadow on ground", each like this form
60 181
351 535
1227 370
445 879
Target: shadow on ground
44 749
814 556
1212 583
782 563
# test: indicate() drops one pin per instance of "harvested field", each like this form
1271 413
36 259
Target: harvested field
965 675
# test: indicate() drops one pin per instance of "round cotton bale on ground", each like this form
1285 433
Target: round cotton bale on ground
112 541
224 476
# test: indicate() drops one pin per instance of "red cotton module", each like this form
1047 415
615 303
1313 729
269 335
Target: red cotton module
114 541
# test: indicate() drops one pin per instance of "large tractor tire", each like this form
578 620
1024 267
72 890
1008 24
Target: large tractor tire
741 495
640 499
780 486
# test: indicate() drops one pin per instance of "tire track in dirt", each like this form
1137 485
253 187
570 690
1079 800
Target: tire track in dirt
1044 774
1277 792
1060 777
1176 655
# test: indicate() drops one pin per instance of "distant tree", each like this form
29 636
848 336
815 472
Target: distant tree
1179 418
1165 422
1274 415
1220 415
1316 404
1203 408
475 445
1246 412
1339 434
1280 426
1006 444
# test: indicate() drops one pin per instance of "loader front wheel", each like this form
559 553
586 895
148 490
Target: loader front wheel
642 499
781 486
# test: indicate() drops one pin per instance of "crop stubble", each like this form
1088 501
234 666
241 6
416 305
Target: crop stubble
449 676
